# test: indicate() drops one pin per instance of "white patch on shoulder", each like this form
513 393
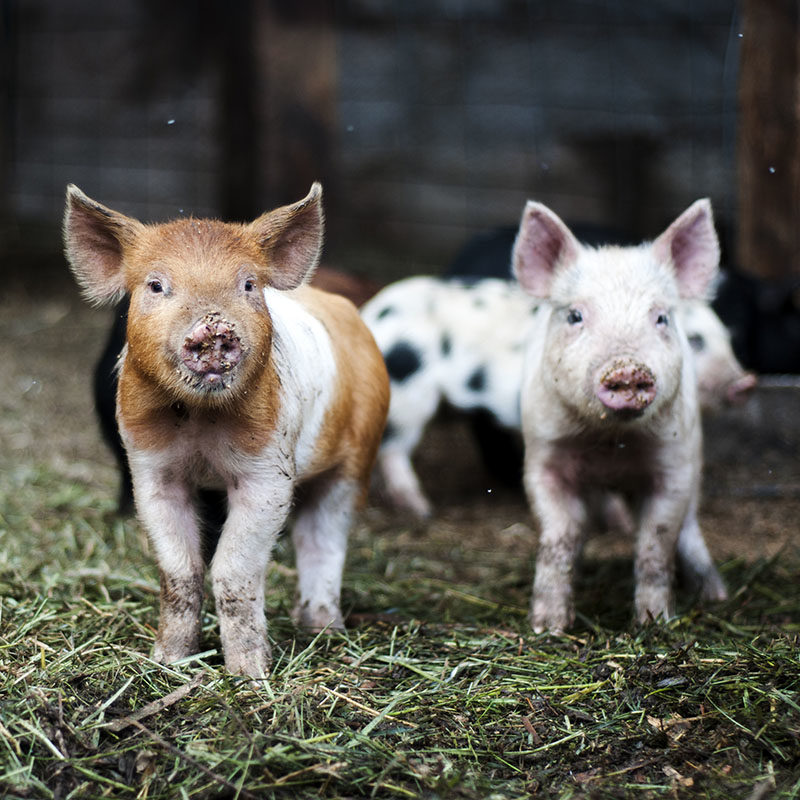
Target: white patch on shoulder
306 367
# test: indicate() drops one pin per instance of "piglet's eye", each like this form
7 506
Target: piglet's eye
696 342
574 317
249 285
155 286
663 319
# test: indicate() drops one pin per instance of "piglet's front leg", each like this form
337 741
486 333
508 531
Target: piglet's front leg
656 549
167 513
402 483
562 518
257 511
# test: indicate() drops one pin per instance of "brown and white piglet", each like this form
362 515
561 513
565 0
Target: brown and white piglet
236 376
609 403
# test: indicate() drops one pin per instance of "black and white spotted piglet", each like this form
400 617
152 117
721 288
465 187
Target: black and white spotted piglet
450 341
463 342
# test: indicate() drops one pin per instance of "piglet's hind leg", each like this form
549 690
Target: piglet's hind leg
697 566
320 541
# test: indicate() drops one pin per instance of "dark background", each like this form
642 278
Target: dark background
426 120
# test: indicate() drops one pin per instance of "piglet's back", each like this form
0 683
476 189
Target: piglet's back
353 389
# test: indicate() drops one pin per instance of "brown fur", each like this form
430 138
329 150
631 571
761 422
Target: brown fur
353 425
351 433
355 288
200 256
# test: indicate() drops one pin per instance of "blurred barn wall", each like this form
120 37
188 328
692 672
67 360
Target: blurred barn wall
453 113
427 120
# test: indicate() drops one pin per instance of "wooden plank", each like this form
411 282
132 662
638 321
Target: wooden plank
769 139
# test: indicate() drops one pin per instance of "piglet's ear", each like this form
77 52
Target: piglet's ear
543 245
690 244
291 238
95 238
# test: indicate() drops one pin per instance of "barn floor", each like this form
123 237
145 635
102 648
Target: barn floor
50 339
423 602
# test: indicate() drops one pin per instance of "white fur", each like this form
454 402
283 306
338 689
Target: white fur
562 361
608 325
306 370
720 377
486 327
320 542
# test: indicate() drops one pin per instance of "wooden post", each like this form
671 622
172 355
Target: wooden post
769 139
296 52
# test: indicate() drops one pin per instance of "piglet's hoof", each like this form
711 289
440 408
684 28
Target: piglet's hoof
253 663
168 652
652 603
318 618
547 618
713 589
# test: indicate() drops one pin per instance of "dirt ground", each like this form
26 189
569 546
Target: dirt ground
50 340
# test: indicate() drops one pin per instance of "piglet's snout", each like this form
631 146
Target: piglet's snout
626 386
212 348
739 390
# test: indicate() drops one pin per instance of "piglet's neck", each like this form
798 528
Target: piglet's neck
155 416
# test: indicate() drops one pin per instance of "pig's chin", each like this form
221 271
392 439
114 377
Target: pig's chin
622 415
215 386
592 415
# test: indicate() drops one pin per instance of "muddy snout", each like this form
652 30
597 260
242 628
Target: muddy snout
211 350
626 386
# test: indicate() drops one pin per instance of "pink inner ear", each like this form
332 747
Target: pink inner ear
543 243
291 238
93 238
691 244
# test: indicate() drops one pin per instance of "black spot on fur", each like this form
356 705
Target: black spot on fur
384 312
402 361
477 381
447 344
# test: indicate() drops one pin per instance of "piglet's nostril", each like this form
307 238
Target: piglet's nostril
198 338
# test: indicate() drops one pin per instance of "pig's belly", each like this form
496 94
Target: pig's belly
622 464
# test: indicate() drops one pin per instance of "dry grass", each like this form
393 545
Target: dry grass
438 689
